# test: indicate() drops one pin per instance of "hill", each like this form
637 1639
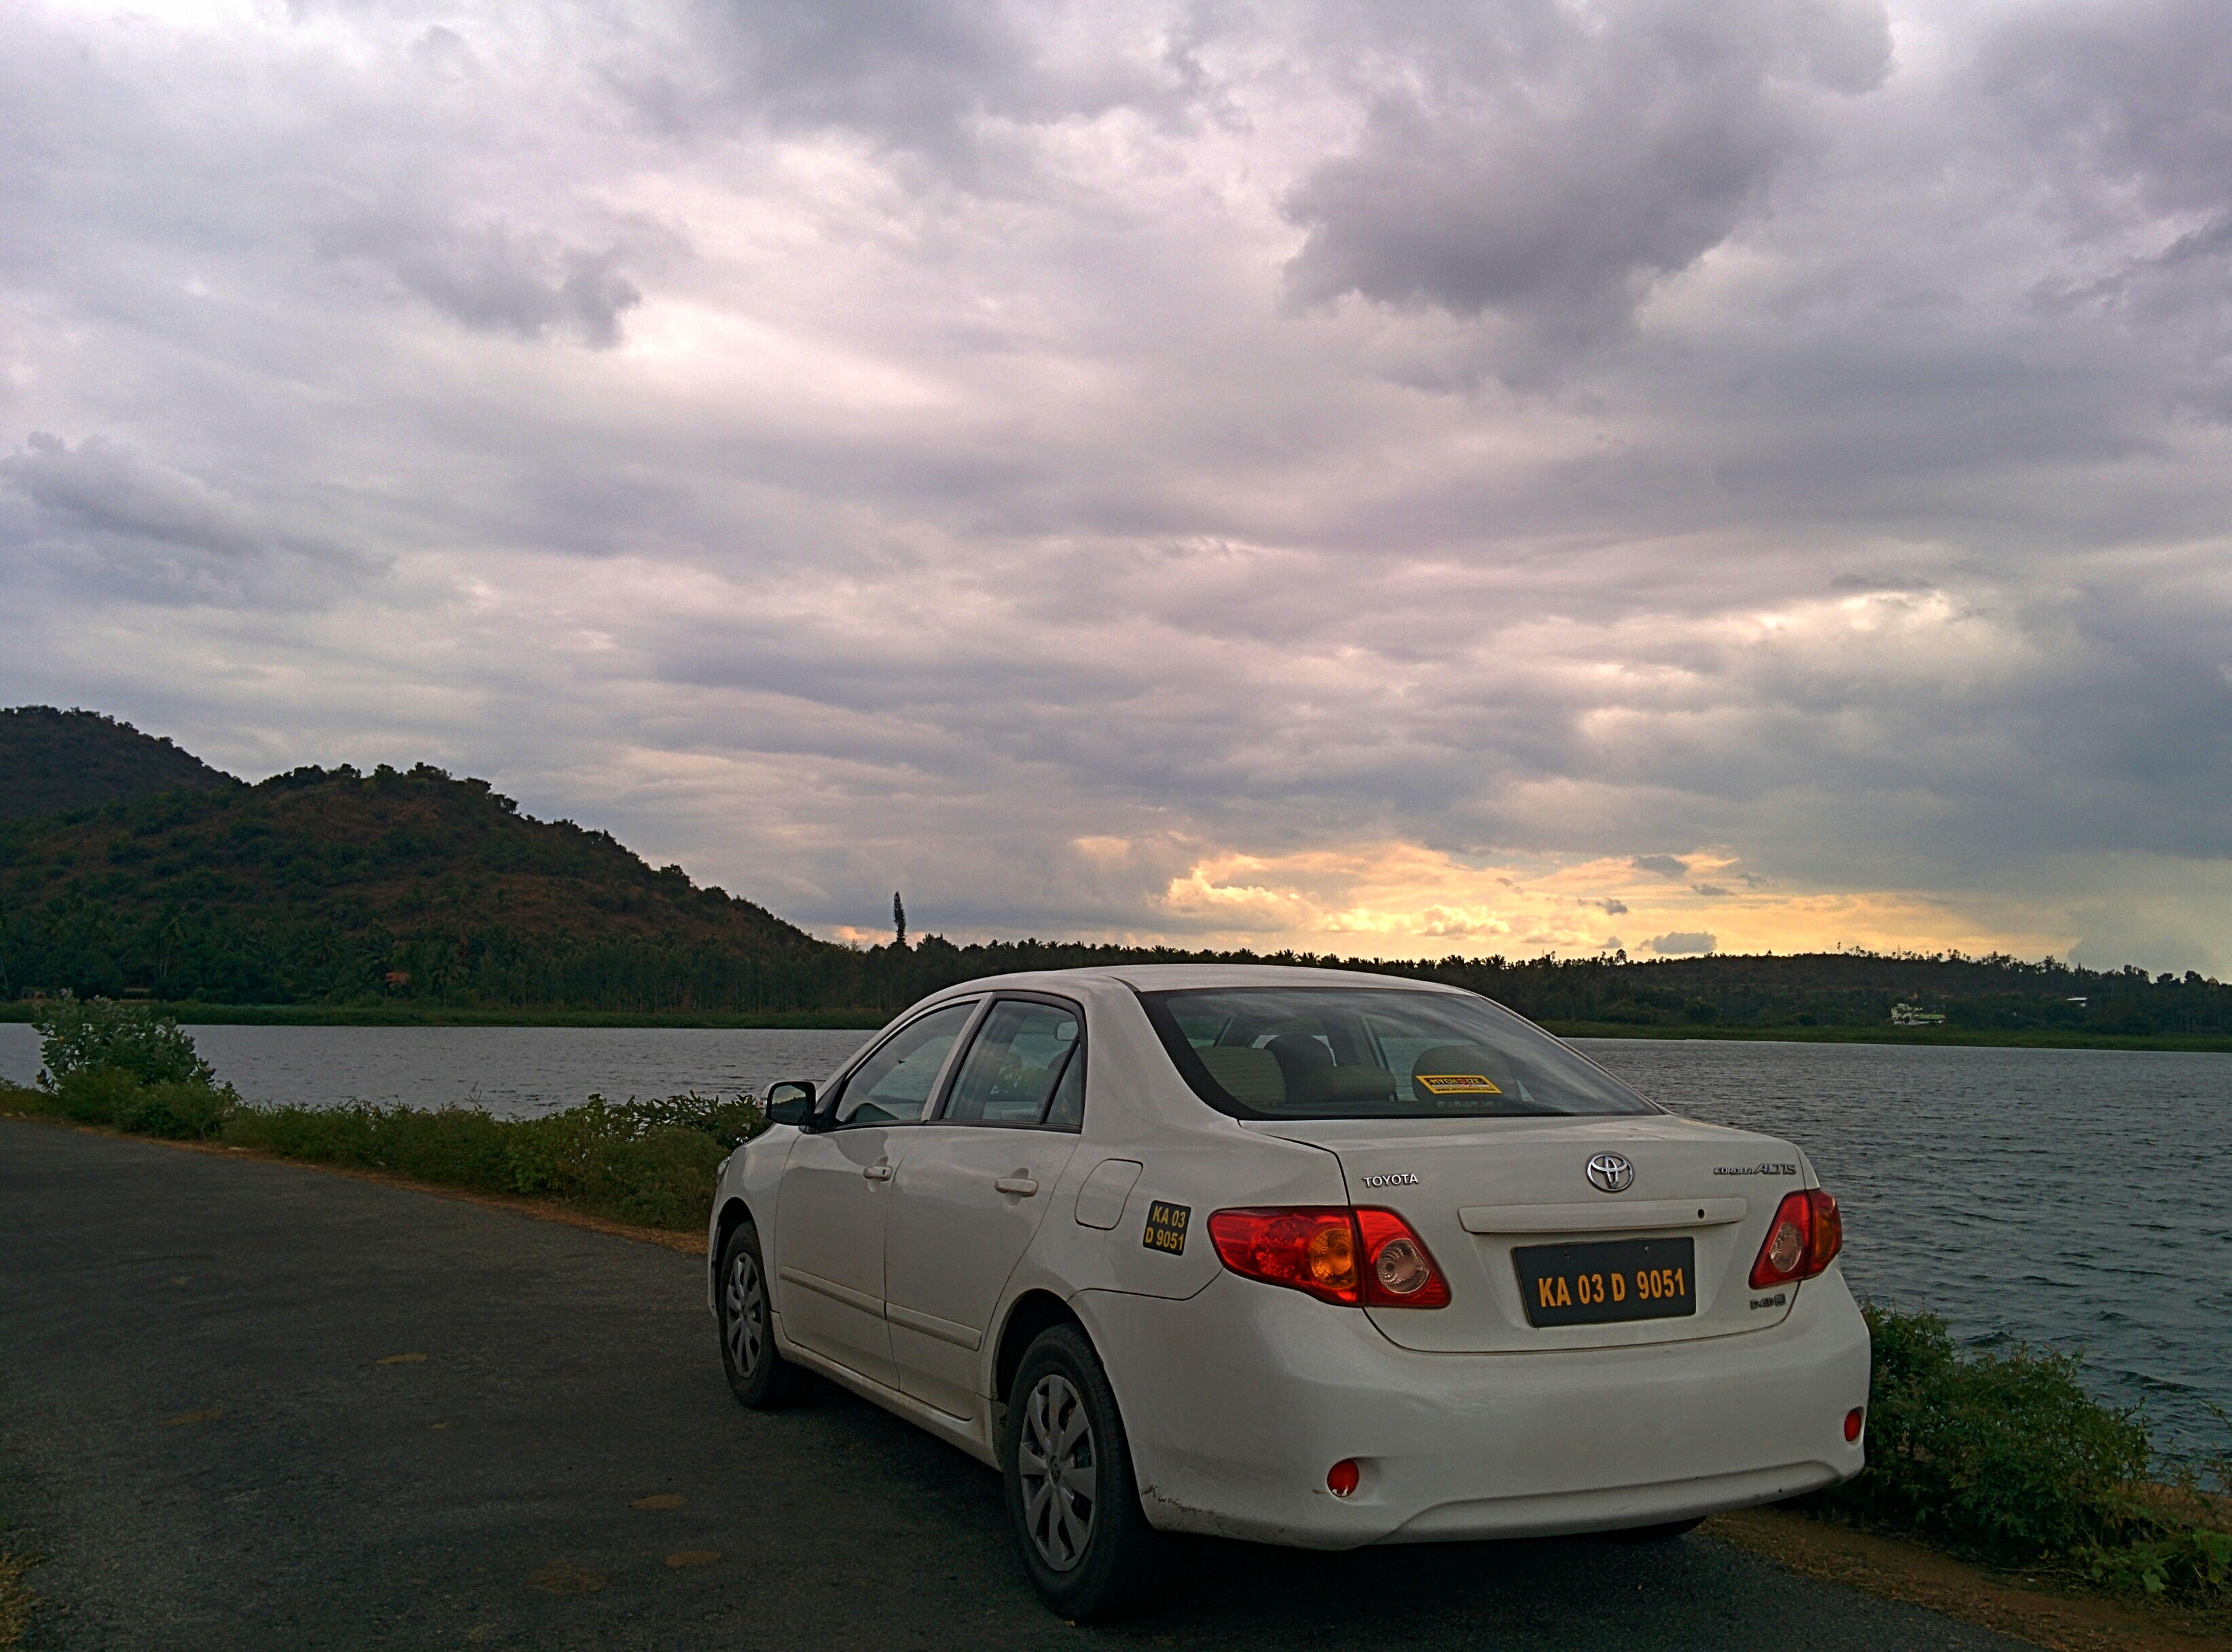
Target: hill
52 761
330 885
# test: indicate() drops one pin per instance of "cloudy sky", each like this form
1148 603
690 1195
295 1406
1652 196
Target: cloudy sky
1414 478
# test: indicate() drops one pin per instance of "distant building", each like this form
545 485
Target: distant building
1915 1015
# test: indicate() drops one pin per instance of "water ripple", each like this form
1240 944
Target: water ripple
2073 1198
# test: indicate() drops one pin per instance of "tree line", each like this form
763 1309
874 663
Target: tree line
417 889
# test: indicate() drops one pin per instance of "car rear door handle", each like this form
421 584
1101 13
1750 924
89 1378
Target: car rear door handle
879 1171
1022 1184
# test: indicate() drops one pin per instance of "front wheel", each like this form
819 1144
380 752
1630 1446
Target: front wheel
1072 1500
758 1375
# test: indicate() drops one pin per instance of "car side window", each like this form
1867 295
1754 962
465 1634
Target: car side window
1019 1068
893 1085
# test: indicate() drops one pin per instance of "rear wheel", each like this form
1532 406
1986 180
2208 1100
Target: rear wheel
758 1374
1072 1500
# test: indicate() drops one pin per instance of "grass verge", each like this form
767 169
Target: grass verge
2031 1605
641 1163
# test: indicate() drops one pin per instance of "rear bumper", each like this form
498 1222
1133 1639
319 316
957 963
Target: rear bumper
1239 1399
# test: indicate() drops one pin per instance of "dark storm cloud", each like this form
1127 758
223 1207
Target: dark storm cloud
2114 95
105 488
105 513
934 81
1587 153
492 278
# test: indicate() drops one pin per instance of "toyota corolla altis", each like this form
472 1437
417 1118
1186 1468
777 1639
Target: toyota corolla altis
1292 1255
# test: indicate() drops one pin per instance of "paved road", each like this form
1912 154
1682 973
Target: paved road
246 1405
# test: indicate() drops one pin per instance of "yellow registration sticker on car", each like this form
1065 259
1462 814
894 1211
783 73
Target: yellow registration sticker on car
1602 1283
1166 1227
1456 1084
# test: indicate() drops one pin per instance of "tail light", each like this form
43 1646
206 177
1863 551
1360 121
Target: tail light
1335 1253
1398 1269
1804 1238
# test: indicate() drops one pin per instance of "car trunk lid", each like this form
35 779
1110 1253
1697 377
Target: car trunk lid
1480 1190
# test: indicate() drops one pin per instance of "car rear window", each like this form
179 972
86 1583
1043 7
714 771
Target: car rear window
1374 1052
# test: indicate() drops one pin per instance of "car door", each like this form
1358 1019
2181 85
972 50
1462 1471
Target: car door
973 1189
836 1190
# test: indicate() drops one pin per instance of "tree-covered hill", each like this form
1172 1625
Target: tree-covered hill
52 761
330 885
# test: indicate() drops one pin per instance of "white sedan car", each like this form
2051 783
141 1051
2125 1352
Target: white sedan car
1294 1255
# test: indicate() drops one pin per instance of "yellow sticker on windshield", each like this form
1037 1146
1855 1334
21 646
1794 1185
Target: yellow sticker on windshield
1456 1084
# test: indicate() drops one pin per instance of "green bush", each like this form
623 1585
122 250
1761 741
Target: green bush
116 1100
2186 1556
653 1163
2002 1456
87 1035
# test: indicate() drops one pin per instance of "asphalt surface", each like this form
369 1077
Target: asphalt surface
246 1405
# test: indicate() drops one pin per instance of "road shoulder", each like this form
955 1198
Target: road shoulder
688 1244
1894 1569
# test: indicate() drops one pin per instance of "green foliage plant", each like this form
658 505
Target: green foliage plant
654 1164
2179 1535
124 1067
2002 1456
89 1035
2183 1557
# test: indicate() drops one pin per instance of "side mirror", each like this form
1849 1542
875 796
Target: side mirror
790 1103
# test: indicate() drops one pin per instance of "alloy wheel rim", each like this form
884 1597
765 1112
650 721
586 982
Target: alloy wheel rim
746 1302
1055 1460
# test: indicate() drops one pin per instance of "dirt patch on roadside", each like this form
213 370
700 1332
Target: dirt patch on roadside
16 1599
690 1244
2029 1610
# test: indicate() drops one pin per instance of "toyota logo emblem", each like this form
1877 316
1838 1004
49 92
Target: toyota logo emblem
1610 1173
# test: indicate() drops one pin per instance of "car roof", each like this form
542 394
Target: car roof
1177 977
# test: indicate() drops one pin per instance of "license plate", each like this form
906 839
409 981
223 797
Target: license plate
1601 1284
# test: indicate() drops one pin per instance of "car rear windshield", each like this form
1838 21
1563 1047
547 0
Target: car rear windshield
1366 1052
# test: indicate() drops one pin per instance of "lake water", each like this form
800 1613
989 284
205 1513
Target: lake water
2078 1198
511 1071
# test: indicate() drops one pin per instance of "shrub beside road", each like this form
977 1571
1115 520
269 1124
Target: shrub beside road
2002 1456
652 1164
1999 1457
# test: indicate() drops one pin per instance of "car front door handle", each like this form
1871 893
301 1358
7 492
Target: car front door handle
879 1171
1021 1184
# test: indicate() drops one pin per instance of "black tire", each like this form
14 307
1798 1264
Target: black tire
1663 1533
758 1374
1073 1500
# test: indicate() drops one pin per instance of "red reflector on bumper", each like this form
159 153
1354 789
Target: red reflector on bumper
1852 1421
